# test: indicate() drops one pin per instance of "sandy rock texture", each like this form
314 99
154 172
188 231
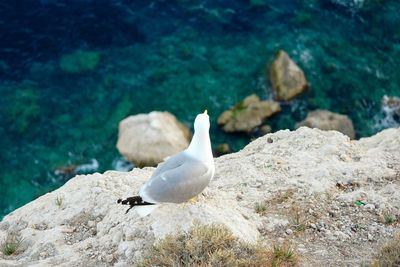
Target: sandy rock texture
327 120
146 139
287 79
321 192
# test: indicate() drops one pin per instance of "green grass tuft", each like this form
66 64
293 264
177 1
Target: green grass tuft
59 201
260 208
389 219
283 256
11 245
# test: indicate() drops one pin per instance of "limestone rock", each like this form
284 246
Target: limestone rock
295 173
146 139
286 77
247 114
326 120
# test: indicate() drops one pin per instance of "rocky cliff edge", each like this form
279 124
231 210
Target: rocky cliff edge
326 195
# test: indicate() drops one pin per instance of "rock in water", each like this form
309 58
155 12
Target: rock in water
146 139
287 78
247 114
326 120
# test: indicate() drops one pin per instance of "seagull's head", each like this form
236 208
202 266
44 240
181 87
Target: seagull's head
202 123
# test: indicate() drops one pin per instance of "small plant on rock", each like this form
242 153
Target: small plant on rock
11 245
59 201
389 219
298 220
283 255
260 208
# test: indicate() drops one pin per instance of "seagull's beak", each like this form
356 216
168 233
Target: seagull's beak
205 112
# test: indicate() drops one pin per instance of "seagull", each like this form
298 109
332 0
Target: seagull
180 177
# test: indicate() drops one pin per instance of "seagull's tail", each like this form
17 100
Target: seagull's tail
143 211
143 208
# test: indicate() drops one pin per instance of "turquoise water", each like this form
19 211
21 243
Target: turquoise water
180 56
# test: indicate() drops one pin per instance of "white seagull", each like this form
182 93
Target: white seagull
182 176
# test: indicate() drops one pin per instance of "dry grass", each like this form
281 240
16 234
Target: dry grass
214 245
282 197
298 218
389 256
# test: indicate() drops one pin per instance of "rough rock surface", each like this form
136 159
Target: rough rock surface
322 192
286 77
247 114
146 139
326 120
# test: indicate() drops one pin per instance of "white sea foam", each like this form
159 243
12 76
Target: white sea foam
87 168
120 164
386 117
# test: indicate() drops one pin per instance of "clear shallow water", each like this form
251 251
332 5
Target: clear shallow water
179 56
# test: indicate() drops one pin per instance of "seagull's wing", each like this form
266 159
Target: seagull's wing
186 178
172 162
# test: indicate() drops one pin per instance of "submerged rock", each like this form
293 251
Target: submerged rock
286 77
79 62
326 120
247 114
25 109
146 139
80 224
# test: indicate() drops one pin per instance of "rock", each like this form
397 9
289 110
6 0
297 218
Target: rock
79 62
289 231
247 114
326 120
311 157
370 237
369 206
287 79
265 129
147 139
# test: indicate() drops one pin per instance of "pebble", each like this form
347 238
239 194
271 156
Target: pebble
109 258
68 230
332 213
370 237
369 207
91 223
289 231
313 226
